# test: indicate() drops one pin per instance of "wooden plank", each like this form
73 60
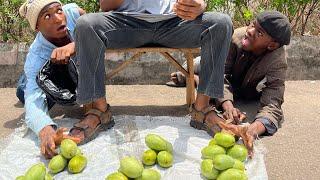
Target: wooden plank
154 49
190 98
124 65
175 63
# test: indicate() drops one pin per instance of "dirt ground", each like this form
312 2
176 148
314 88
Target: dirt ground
293 152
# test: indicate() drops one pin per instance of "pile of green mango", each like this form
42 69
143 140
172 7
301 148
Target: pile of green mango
160 152
36 172
223 159
70 155
132 168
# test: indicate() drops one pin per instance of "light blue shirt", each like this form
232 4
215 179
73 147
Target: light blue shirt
37 116
148 10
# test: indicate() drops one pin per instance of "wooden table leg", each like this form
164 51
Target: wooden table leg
190 79
124 64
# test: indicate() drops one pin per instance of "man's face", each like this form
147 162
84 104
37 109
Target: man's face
52 22
256 39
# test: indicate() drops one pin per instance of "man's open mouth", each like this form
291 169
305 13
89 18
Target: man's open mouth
62 27
246 41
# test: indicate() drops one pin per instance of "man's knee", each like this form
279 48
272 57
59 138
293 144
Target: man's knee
220 21
87 22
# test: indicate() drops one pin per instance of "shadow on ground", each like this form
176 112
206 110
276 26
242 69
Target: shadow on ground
59 112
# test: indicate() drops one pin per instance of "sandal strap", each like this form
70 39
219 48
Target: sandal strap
200 115
104 117
94 112
81 127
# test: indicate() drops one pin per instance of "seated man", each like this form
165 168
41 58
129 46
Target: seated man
168 23
54 23
255 69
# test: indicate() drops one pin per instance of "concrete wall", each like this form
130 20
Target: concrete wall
303 62
304 58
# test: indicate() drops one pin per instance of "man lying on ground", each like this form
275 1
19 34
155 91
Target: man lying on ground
255 70
55 25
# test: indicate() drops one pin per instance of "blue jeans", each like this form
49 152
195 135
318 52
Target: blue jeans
21 86
97 31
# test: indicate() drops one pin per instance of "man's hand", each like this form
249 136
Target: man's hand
50 139
254 130
62 54
109 5
189 9
247 133
232 113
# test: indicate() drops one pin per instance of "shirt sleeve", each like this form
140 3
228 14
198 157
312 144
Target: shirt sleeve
36 107
272 96
72 14
270 127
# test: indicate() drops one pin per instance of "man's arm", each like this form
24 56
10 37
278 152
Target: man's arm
109 5
35 100
37 117
272 98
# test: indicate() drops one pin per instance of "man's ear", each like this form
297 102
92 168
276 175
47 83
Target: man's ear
273 45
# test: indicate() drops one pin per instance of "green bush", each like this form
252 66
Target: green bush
14 28
301 13
87 5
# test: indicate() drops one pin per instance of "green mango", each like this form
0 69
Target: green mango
209 152
20 177
157 143
68 148
36 172
238 165
207 169
48 177
77 164
131 167
169 147
116 176
57 164
224 139
165 159
239 152
232 174
79 152
149 174
212 142
222 162
149 157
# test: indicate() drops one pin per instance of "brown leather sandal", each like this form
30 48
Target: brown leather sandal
106 122
198 119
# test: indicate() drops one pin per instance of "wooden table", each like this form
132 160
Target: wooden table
188 52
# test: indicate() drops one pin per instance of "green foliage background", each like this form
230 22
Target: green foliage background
303 14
